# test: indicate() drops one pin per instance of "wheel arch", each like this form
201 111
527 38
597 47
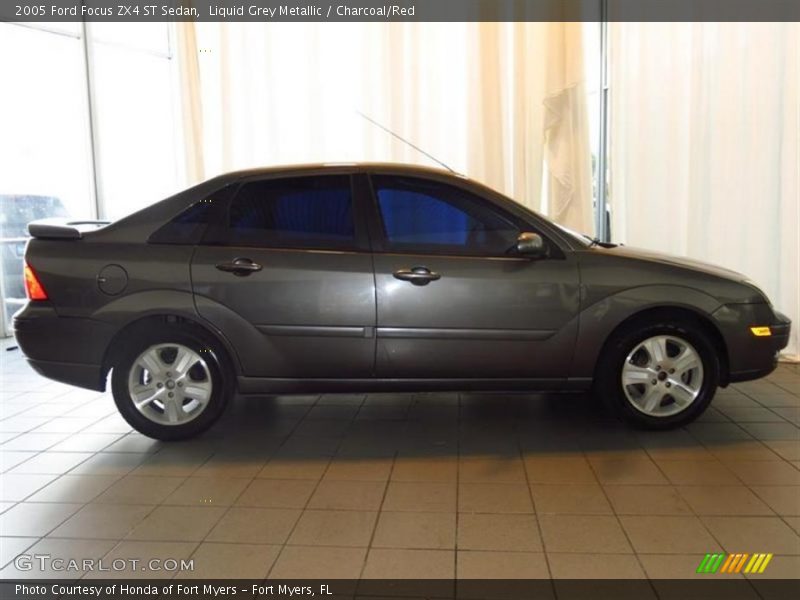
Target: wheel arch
678 313
156 321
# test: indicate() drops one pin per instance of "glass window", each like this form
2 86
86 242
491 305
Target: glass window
303 212
427 216
190 225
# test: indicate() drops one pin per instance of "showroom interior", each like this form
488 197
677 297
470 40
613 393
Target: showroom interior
681 137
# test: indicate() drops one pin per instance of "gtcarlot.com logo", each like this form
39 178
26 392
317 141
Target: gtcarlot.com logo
734 563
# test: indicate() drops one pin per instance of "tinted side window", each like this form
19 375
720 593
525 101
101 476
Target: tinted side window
427 216
188 227
301 212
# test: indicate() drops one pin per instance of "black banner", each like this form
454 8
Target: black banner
398 10
713 587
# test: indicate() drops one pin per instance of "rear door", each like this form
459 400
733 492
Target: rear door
452 301
291 258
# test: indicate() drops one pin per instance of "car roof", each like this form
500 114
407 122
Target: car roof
341 167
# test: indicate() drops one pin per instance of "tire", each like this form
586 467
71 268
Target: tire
183 378
684 384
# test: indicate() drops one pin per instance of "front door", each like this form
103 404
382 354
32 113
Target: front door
453 302
289 276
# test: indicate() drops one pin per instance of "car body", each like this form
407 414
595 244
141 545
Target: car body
379 277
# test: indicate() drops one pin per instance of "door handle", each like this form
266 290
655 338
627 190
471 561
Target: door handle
417 275
240 267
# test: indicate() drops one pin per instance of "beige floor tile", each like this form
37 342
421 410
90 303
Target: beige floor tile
737 534
109 463
793 522
491 470
559 469
595 566
745 450
501 565
144 552
420 496
780 567
172 462
177 524
343 469
315 562
11 547
630 471
74 488
134 489
517 533
277 493
673 566
646 500
14 488
294 468
384 563
672 535
783 499
207 491
231 561
348 495
759 472
415 530
577 499
66 550
351 528
244 465
589 534
86 442
723 500
494 498
31 520
255 525
56 463
706 472
103 521
410 468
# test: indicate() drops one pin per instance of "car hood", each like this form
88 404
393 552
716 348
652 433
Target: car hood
676 261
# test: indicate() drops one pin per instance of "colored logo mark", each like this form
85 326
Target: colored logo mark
734 563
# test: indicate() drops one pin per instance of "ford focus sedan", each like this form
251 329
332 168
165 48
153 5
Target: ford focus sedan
366 278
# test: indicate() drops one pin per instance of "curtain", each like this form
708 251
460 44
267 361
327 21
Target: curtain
490 100
705 147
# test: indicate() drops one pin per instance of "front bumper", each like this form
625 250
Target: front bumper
65 349
751 357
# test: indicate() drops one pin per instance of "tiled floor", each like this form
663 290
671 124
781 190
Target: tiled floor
404 485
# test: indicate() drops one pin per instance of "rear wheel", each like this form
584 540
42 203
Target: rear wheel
659 375
171 384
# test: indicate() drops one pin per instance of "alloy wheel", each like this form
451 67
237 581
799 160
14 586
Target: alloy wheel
170 384
662 376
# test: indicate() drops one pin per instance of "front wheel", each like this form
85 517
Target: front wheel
659 376
170 385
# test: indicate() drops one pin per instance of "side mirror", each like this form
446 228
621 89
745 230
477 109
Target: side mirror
531 244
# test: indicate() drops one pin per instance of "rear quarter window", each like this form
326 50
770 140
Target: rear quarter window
189 226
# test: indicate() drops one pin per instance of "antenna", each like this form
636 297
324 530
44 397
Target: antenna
392 133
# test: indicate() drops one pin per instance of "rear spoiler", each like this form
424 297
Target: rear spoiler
62 229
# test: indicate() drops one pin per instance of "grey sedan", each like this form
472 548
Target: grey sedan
369 277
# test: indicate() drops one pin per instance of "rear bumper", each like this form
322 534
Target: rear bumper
66 349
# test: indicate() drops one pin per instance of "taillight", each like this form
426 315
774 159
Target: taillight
33 287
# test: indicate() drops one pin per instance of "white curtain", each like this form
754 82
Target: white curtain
705 147
491 100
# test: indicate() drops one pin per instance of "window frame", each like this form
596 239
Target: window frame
381 244
219 234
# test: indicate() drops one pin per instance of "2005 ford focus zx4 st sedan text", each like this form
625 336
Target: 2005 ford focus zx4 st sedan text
356 278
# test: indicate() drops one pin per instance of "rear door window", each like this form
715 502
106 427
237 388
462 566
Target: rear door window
299 212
